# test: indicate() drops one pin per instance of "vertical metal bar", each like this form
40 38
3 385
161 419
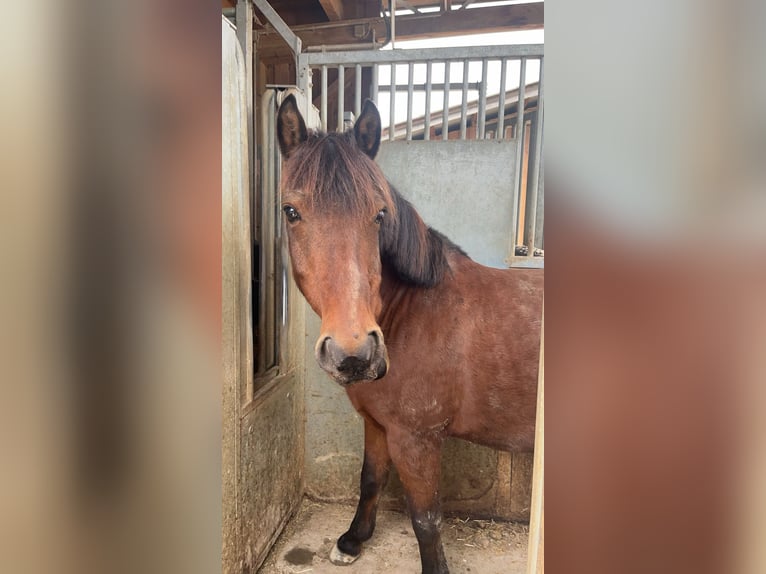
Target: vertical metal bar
358 91
410 76
482 99
374 89
323 105
393 24
427 118
391 120
445 110
464 102
341 95
532 201
520 101
500 134
269 177
518 135
305 77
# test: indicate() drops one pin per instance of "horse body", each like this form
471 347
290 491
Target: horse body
427 343
463 356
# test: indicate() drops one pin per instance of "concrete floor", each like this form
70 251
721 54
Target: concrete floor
472 546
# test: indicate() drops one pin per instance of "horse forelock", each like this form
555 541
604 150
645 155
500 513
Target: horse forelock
332 173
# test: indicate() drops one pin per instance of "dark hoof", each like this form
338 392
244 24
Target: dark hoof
350 544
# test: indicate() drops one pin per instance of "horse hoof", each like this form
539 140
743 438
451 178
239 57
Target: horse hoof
340 558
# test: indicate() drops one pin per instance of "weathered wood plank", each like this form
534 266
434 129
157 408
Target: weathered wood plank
535 549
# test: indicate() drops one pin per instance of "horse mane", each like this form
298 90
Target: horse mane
415 251
341 177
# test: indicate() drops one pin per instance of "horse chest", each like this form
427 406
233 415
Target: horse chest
413 404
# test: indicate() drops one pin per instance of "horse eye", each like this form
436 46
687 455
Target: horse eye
291 213
379 216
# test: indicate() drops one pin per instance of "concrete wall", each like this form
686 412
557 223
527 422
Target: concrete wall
463 189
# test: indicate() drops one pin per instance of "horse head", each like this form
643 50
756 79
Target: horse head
335 201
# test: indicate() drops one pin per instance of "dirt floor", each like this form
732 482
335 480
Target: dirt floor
472 546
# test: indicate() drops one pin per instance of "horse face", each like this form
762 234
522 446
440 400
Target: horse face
334 240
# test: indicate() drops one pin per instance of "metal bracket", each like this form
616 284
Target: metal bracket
293 41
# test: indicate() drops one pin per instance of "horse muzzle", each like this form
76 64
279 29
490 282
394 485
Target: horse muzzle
367 361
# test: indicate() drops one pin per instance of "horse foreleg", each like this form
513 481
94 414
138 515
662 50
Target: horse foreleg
418 462
374 477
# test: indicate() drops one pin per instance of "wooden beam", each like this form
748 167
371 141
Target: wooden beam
455 22
333 9
536 542
490 19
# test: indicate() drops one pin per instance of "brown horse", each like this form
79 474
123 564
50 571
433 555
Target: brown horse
427 343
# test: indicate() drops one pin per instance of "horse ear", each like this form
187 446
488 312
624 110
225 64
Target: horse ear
291 129
367 129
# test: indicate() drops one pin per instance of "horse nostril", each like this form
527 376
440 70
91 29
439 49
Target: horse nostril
323 350
371 345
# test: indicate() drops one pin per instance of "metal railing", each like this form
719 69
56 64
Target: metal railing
483 92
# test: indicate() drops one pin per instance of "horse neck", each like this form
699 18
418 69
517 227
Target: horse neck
411 251
416 261
396 296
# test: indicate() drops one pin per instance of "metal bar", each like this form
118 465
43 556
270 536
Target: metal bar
323 105
500 134
464 105
410 79
374 89
392 9
532 201
482 100
305 84
453 86
520 102
339 47
358 90
445 110
518 135
269 178
293 41
341 96
392 122
424 54
427 117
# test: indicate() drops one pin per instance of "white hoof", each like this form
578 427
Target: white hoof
340 558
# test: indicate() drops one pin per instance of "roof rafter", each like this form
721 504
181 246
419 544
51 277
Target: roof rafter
333 8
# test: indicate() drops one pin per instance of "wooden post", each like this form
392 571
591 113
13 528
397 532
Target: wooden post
535 550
